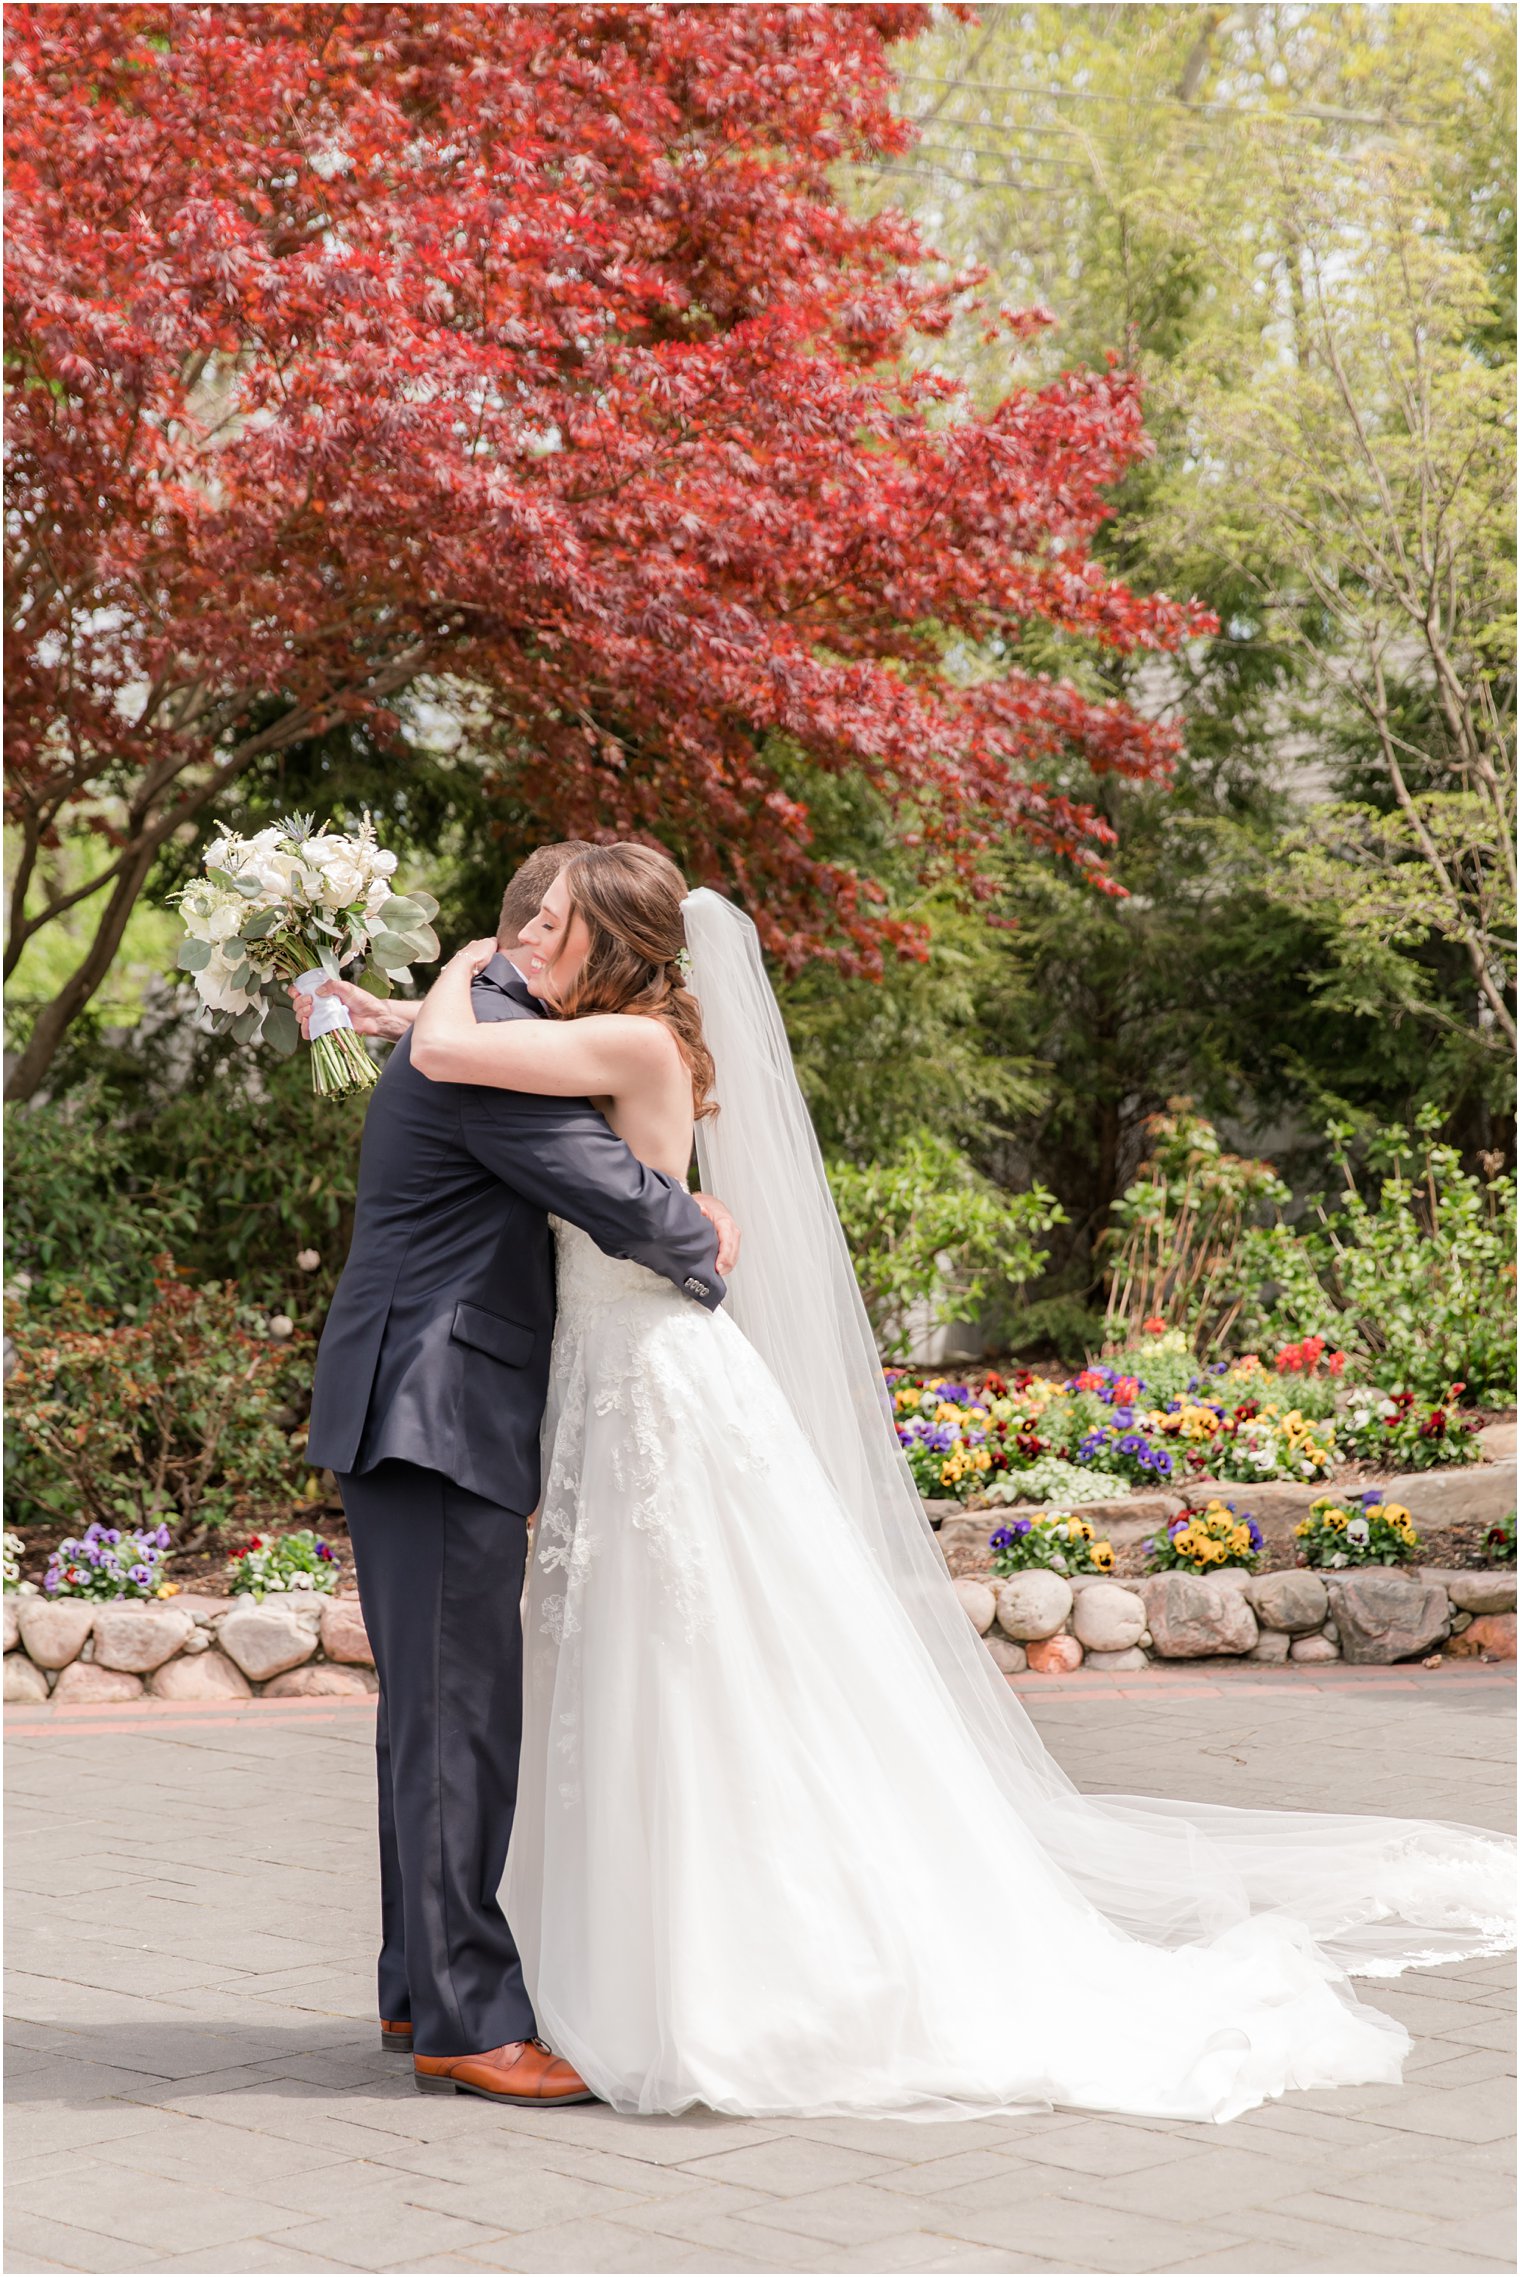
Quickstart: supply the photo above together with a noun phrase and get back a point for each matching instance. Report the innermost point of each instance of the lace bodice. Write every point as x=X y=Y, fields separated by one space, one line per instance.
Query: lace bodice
x=589 y=1280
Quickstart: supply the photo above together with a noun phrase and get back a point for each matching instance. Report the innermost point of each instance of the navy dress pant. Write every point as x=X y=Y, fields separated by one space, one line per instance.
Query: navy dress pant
x=440 y=1573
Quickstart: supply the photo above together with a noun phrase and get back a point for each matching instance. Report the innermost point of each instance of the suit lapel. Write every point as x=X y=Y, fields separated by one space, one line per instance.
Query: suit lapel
x=502 y=978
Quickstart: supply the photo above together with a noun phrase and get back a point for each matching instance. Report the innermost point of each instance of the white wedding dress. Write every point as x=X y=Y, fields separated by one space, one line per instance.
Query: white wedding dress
x=785 y=1840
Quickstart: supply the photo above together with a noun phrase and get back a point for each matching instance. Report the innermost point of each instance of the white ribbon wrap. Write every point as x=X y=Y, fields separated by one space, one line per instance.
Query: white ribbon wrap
x=327 y=1012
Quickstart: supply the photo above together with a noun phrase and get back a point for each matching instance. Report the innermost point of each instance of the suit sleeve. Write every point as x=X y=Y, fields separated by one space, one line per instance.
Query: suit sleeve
x=563 y=1156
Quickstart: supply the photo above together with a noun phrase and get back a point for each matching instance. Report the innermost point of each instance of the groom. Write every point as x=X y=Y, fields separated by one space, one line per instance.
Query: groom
x=428 y=1400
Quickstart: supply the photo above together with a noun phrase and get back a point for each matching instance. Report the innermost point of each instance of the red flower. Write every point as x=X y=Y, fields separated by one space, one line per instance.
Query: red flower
x=1155 y=1326
x=1336 y=1363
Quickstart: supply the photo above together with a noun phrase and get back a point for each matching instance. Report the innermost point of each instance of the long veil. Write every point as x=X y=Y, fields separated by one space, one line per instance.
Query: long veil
x=1376 y=1895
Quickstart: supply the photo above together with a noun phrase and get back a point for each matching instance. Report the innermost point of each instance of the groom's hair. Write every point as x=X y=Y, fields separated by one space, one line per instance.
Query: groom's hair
x=527 y=887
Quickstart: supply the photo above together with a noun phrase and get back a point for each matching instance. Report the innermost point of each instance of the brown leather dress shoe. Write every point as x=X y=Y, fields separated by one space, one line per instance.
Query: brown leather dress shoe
x=395 y=2038
x=524 y=2071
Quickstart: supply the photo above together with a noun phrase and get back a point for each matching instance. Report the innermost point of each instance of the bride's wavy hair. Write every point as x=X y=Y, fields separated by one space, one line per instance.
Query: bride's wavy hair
x=630 y=898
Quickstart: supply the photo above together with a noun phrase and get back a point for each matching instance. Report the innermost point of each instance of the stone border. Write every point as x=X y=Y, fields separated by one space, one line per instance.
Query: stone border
x=291 y=1646
x=1369 y=1616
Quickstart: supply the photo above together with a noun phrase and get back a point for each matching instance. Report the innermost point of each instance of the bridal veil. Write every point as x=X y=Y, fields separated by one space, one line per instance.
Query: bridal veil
x=1375 y=1895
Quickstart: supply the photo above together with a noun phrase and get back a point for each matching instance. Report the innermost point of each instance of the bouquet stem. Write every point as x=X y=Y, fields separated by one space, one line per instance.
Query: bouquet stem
x=340 y=1063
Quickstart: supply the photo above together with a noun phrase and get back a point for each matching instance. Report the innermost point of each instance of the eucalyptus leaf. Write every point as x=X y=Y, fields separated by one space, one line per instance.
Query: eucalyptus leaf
x=425 y=903
x=377 y=980
x=249 y=888
x=194 y=956
x=259 y=928
x=388 y=949
x=282 y=1029
x=402 y=972
x=422 y=943
x=400 y=912
x=328 y=961
x=246 y=1026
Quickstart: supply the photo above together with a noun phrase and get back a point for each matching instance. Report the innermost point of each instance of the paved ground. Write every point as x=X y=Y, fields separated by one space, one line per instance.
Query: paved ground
x=194 y=2082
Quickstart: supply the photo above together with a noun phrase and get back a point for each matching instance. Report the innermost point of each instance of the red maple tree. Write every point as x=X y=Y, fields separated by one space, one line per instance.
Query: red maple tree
x=529 y=352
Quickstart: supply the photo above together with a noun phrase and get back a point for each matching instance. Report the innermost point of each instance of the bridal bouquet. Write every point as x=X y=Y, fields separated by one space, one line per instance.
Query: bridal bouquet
x=294 y=903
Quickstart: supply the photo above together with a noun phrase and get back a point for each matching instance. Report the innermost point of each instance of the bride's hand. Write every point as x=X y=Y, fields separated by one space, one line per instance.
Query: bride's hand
x=473 y=958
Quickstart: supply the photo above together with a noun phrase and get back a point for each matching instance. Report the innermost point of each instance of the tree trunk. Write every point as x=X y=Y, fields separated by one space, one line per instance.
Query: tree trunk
x=52 y=1022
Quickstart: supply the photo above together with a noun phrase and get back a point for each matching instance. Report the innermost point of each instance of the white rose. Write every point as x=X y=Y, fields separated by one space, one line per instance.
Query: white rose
x=212 y=985
x=221 y=923
x=342 y=883
x=382 y=865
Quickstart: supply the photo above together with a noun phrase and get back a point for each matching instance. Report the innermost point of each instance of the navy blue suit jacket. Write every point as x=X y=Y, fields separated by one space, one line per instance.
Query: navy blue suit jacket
x=436 y=1349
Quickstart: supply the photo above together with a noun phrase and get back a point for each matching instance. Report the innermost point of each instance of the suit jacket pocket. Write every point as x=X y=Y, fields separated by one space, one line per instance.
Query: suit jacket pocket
x=509 y=1341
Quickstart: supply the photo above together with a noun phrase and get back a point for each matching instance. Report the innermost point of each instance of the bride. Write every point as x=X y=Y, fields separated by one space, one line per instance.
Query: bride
x=786 y=1841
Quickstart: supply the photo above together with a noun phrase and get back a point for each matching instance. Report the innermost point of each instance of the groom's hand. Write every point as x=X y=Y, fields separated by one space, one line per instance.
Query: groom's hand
x=371 y=1015
x=729 y=1236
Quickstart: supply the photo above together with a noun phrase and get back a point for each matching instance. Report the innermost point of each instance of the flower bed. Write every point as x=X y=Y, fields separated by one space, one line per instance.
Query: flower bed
x=1157 y=1418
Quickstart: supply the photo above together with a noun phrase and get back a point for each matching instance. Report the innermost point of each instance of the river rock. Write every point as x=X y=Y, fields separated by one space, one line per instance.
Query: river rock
x=977 y=1603
x=1382 y=1615
x=1314 y=1650
x=1494 y=1634
x=1270 y=1648
x=266 y=1639
x=1033 y=1605
x=1295 y=1601
x=54 y=1632
x=1475 y=1592
x=87 y=1680
x=135 y=1638
x=322 y=1680
x=11 y=1602
x=1191 y=1618
x=24 y=1683
x=1054 y=1656
x=1010 y=1657
x=1107 y=1619
x=344 y=1636
x=197 y=1641
x=206 y=1675
x=1117 y=1663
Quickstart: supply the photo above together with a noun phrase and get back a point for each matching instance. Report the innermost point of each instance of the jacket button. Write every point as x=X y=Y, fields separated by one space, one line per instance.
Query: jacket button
x=697 y=1288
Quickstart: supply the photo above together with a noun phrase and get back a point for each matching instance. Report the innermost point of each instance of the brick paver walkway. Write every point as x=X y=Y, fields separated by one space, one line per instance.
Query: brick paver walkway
x=195 y=2084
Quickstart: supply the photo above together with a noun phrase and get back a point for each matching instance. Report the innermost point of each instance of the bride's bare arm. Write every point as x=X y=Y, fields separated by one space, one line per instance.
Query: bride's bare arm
x=603 y=1056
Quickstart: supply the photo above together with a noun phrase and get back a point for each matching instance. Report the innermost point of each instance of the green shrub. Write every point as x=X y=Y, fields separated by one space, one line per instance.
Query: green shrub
x=1416 y=1280
x=182 y=1142
x=926 y=1230
x=180 y=1416
x=79 y=1212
